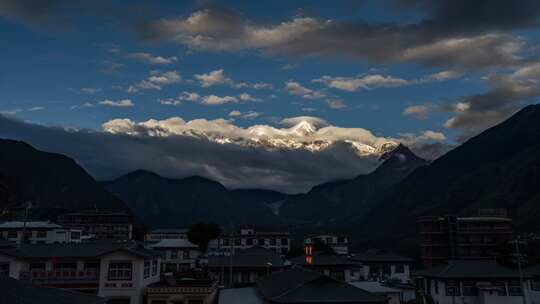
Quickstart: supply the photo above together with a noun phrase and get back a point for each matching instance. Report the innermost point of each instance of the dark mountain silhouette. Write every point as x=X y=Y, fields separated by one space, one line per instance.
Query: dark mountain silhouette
x=167 y=202
x=500 y=168
x=328 y=203
x=49 y=181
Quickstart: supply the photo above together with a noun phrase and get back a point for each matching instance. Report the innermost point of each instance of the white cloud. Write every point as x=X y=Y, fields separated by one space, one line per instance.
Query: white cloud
x=212 y=78
x=185 y=96
x=247 y=97
x=336 y=104
x=418 y=111
x=218 y=77
x=151 y=59
x=217 y=100
x=82 y=106
x=156 y=81
x=295 y=88
x=362 y=82
x=118 y=103
x=36 y=109
x=235 y=113
x=90 y=90
x=442 y=76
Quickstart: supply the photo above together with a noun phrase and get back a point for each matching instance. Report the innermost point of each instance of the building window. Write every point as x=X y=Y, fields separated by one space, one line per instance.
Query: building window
x=500 y=288
x=400 y=268
x=146 y=269
x=341 y=240
x=94 y=266
x=37 y=266
x=41 y=234
x=535 y=285
x=120 y=271
x=225 y=242
x=249 y=242
x=514 y=288
x=75 y=235
x=65 y=266
x=261 y=242
x=452 y=288
x=469 y=288
x=174 y=254
x=4 y=269
x=237 y=242
x=284 y=241
x=272 y=242
x=436 y=287
x=338 y=275
x=185 y=254
x=12 y=234
x=154 y=267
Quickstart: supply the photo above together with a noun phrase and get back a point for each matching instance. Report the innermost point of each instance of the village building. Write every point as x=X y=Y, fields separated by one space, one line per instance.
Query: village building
x=338 y=242
x=335 y=266
x=178 y=255
x=247 y=266
x=472 y=281
x=102 y=225
x=188 y=291
x=444 y=238
x=18 y=292
x=34 y=232
x=119 y=271
x=299 y=286
x=157 y=235
x=382 y=265
x=247 y=237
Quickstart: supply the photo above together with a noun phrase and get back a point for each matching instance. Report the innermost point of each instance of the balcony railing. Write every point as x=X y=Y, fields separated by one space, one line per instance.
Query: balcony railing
x=60 y=276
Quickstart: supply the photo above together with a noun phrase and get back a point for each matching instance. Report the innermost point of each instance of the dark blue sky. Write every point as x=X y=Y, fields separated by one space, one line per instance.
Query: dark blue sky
x=426 y=73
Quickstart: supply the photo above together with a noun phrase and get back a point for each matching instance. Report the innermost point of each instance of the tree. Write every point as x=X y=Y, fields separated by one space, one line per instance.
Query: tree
x=202 y=233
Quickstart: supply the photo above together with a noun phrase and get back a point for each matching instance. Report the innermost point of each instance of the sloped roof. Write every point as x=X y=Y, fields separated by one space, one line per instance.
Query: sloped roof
x=374 y=287
x=93 y=249
x=301 y=286
x=170 y=230
x=323 y=259
x=252 y=257
x=376 y=255
x=245 y=295
x=469 y=269
x=17 y=292
x=29 y=225
x=174 y=243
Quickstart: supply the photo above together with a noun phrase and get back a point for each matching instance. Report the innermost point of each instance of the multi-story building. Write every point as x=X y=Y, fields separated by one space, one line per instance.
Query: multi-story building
x=248 y=237
x=190 y=291
x=247 y=266
x=178 y=255
x=381 y=265
x=39 y=233
x=339 y=243
x=472 y=281
x=444 y=238
x=166 y=234
x=335 y=266
x=117 y=270
x=299 y=286
x=102 y=225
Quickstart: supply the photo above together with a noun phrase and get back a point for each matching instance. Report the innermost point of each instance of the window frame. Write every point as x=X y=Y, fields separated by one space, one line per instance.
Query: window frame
x=117 y=277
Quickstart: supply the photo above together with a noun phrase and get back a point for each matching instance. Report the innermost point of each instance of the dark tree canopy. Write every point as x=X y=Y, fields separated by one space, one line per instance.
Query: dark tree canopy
x=202 y=233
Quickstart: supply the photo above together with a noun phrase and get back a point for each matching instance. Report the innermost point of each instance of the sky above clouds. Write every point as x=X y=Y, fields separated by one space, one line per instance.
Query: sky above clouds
x=427 y=73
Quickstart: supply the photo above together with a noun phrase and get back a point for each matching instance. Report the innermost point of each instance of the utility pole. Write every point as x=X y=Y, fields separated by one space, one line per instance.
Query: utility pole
x=520 y=271
x=26 y=207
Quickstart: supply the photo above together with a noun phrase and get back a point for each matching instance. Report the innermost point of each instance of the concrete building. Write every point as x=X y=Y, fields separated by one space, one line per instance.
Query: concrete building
x=299 y=286
x=444 y=238
x=381 y=265
x=247 y=237
x=119 y=271
x=335 y=266
x=157 y=235
x=339 y=243
x=178 y=255
x=39 y=233
x=247 y=266
x=102 y=225
x=189 y=291
x=464 y=282
x=17 y=292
